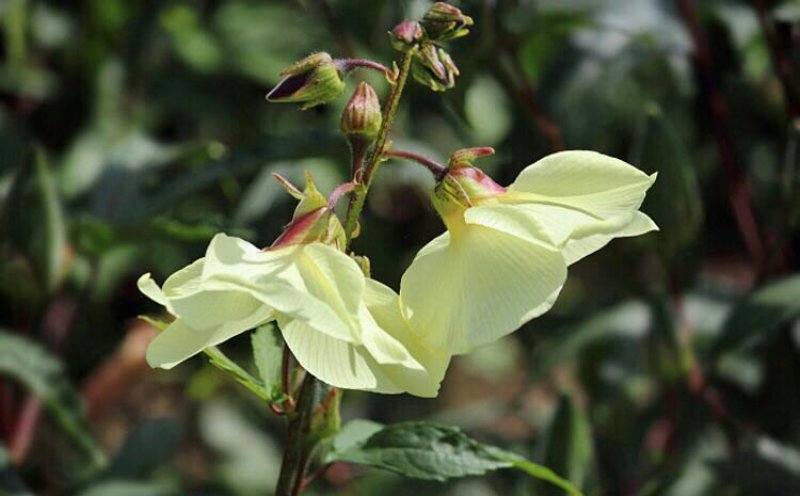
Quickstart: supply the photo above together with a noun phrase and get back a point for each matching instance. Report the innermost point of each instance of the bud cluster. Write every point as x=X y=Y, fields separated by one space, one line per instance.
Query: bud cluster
x=433 y=66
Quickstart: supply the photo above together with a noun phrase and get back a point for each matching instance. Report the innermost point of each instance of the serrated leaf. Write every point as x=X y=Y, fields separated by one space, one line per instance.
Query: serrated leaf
x=760 y=314
x=40 y=372
x=428 y=451
x=423 y=451
x=268 y=354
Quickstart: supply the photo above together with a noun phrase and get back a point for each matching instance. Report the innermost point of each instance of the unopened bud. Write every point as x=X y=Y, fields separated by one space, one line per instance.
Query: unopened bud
x=313 y=219
x=434 y=68
x=312 y=81
x=362 y=117
x=405 y=35
x=445 y=22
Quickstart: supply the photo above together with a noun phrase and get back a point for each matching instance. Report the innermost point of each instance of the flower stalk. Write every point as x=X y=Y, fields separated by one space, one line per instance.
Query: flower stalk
x=359 y=194
x=299 y=442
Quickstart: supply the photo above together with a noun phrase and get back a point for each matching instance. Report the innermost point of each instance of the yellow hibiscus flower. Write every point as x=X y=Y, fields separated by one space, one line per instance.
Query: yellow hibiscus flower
x=342 y=327
x=504 y=257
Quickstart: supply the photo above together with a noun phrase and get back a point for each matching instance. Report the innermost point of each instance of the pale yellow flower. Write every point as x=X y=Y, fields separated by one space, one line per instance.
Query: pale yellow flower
x=342 y=327
x=504 y=257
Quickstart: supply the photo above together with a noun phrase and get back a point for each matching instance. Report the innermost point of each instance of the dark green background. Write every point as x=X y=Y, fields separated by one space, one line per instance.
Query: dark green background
x=131 y=132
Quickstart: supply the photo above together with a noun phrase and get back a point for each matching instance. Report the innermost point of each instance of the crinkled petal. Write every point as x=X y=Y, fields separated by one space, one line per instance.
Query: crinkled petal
x=179 y=342
x=314 y=283
x=384 y=305
x=577 y=193
x=576 y=249
x=478 y=287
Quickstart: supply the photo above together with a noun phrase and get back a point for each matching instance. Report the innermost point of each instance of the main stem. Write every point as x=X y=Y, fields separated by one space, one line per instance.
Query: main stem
x=299 y=444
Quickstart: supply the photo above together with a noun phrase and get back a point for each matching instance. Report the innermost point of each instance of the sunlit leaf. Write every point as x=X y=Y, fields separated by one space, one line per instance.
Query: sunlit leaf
x=429 y=451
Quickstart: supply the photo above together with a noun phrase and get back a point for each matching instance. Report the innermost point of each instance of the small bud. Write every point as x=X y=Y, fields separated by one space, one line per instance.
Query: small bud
x=312 y=81
x=362 y=117
x=313 y=220
x=405 y=35
x=445 y=22
x=434 y=68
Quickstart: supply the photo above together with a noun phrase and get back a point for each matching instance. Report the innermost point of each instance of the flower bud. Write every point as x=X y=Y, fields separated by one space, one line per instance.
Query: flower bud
x=434 y=68
x=405 y=35
x=313 y=219
x=445 y=22
x=312 y=81
x=362 y=117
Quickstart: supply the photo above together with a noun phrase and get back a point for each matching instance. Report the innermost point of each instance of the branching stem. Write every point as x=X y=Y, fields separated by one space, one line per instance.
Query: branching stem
x=359 y=194
x=313 y=392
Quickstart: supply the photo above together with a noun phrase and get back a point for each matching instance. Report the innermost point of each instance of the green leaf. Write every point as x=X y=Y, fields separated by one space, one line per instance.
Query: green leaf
x=54 y=237
x=759 y=315
x=268 y=355
x=35 y=221
x=428 y=451
x=352 y=435
x=423 y=451
x=28 y=363
x=568 y=444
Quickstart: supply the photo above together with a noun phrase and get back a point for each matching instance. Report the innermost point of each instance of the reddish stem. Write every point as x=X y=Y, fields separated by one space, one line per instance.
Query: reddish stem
x=347 y=65
x=739 y=192
x=25 y=429
x=437 y=169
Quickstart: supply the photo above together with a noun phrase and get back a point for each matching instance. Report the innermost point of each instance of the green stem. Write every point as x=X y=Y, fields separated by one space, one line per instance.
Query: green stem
x=358 y=195
x=299 y=442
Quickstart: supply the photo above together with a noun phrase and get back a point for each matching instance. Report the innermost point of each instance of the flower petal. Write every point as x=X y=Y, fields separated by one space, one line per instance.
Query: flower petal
x=384 y=305
x=478 y=287
x=578 y=193
x=336 y=362
x=576 y=249
x=149 y=288
x=178 y=342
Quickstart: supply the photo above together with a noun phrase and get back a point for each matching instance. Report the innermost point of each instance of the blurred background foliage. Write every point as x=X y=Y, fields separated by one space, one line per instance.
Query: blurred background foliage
x=131 y=132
